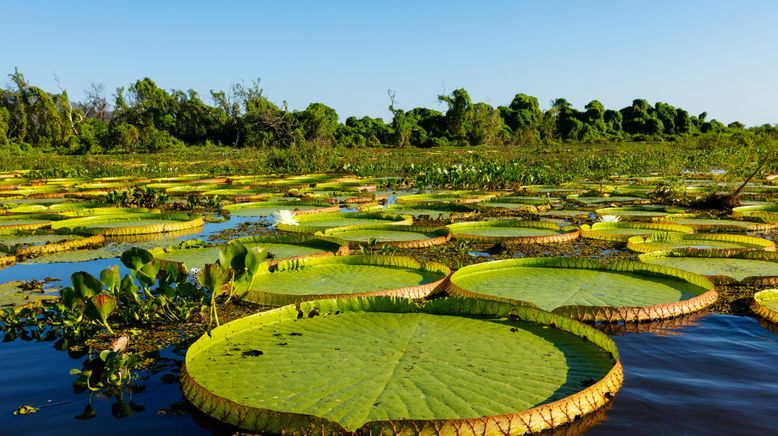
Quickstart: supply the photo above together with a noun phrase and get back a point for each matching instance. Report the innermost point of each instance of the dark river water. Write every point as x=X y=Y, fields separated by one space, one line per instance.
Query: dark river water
x=708 y=374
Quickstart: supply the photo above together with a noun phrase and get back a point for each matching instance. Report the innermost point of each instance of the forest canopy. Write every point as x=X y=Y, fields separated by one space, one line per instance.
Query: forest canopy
x=144 y=118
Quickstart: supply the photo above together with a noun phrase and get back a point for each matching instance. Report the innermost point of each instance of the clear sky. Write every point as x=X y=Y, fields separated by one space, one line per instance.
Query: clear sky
x=702 y=55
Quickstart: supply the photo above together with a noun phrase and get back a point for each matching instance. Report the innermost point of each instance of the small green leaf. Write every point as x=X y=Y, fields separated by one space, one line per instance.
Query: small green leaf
x=85 y=284
x=111 y=278
x=135 y=258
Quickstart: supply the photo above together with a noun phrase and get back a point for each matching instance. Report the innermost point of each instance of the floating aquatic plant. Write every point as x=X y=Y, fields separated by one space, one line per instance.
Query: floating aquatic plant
x=609 y=219
x=285 y=216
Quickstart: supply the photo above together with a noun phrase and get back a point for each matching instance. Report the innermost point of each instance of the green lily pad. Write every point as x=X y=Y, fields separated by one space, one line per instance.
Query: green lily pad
x=323 y=221
x=128 y=224
x=445 y=197
x=517 y=202
x=639 y=212
x=613 y=199
x=397 y=236
x=766 y=304
x=621 y=232
x=10 y=244
x=11 y=294
x=514 y=231
x=327 y=277
x=389 y=366
x=708 y=224
x=766 y=212
x=11 y=224
x=699 y=241
x=756 y=267
x=267 y=208
x=585 y=289
x=434 y=211
x=565 y=213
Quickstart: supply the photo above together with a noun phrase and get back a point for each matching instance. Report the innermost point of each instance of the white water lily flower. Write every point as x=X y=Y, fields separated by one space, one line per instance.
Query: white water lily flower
x=285 y=216
x=609 y=219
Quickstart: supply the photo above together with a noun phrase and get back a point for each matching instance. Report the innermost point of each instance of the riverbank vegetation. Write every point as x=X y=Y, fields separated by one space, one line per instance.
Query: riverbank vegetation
x=144 y=118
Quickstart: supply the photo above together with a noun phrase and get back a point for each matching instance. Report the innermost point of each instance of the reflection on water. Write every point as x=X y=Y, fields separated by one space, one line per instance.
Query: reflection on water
x=661 y=327
x=716 y=375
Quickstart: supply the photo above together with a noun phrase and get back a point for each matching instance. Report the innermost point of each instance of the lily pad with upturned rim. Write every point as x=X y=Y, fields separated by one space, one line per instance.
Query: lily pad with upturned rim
x=513 y=231
x=698 y=241
x=267 y=208
x=12 y=224
x=709 y=224
x=395 y=236
x=128 y=224
x=434 y=211
x=292 y=281
x=353 y=220
x=766 y=212
x=445 y=197
x=584 y=289
x=639 y=212
x=621 y=232
x=766 y=304
x=385 y=365
x=752 y=267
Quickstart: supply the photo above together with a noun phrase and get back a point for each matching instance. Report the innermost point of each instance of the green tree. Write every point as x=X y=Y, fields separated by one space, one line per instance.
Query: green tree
x=319 y=123
x=459 y=116
x=523 y=117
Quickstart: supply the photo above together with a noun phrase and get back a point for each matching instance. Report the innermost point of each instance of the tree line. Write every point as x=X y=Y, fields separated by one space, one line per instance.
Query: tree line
x=146 y=118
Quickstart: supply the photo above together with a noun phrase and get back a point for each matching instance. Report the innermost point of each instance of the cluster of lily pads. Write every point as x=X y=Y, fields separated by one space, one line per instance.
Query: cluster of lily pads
x=396 y=343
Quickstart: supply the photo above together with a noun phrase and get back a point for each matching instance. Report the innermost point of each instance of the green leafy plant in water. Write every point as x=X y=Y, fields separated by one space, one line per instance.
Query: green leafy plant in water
x=148 y=294
x=236 y=265
x=109 y=369
x=137 y=197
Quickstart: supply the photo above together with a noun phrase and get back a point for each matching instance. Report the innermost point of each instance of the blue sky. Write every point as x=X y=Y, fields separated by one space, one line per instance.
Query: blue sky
x=714 y=56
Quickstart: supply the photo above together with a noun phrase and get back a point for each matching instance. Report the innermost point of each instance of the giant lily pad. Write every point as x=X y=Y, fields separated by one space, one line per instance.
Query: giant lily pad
x=766 y=304
x=518 y=202
x=621 y=232
x=128 y=224
x=40 y=244
x=11 y=224
x=446 y=197
x=639 y=212
x=323 y=221
x=390 y=366
x=395 y=236
x=48 y=207
x=753 y=267
x=585 y=289
x=767 y=212
x=196 y=254
x=699 y=241
x=709 y=224
x=326 y=277
x=588 y=200
x=267 y=208
x=513 y=231
x=433 y=211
